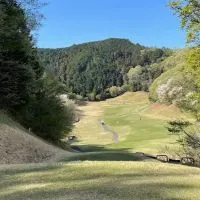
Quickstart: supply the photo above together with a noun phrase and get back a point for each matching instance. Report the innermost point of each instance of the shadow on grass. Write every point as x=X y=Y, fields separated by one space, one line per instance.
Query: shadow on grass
x=77 y=182
x=108 y=187
x=100 y=153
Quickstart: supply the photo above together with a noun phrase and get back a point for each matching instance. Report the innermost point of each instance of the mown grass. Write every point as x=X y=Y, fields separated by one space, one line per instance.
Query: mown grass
x=113 y=171
x=91 y=180
x=141 y=125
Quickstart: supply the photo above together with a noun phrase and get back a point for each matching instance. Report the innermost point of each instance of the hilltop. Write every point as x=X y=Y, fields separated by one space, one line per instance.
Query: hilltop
x=91 y=69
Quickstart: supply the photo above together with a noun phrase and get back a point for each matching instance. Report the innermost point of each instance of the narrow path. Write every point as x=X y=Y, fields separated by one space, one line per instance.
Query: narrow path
x=115 y=136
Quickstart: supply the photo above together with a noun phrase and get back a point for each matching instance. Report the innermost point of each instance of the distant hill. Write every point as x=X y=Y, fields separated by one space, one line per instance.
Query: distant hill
x=92 y=68
x=18 y=146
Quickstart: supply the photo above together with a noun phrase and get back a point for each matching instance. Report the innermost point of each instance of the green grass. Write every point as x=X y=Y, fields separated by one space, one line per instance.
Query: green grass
x=141 y=126
x=109 y=171
x=91 y=180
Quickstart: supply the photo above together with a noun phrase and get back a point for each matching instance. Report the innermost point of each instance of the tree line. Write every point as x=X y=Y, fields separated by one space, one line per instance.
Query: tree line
x=27 y=92
x=90 y=70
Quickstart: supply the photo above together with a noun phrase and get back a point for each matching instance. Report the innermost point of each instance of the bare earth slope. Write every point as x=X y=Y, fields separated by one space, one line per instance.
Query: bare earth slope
x=18 y=146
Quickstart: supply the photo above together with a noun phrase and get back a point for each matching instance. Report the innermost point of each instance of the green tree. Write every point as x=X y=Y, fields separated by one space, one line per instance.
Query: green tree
x=193 y=69
x=189 y=13
x=46 y=114
x=96 y=66
x=19 y=68
x=25 y=91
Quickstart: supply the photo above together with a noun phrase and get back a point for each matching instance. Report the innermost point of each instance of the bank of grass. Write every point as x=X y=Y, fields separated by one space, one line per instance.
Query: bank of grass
x=17 y=145
x=111 y=171
x=91 y=180
x=141 y=125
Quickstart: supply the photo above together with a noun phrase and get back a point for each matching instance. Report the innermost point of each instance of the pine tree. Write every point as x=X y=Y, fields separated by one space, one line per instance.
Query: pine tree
x=19 y=68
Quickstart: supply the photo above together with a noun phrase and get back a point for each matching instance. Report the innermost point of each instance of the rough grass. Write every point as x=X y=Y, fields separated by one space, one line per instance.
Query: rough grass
x=140 y=125
x=100 y=181
x=19 y=146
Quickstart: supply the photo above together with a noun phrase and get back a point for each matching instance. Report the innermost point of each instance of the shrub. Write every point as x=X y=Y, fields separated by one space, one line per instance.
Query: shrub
x=79 y=97
x=92 y=96
x=71 y=96
x=99 y=97
x=47 y=117
x=126 y=88
x=114 y=91
x=188 y=137
x=47 y=114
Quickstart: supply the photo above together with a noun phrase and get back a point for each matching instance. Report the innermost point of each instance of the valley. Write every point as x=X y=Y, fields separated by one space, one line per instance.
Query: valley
x=99 y=100
x=141 y=125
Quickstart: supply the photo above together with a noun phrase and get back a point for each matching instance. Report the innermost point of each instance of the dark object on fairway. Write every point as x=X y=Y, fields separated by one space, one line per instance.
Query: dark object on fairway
x=77 y=120
x=71 y=137
x=162 y=158
x=187 y=161
x=102 y=122
x=140 y=153
x=173 y=161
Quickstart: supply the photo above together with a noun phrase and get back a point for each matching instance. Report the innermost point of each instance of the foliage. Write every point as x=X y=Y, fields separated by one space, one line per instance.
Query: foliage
x=189 y=13
x=189 y=138
x=32 y=11
x=114 y=91
x=193 y=70
x=29 y=94
x=137 y=78
x=46 y=114
x=193 y=64
x=174 y=85
x=19 y=68
x=90 y=69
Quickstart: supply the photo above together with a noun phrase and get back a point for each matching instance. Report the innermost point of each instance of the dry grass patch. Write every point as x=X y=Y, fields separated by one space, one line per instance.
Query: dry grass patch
x=19 y=146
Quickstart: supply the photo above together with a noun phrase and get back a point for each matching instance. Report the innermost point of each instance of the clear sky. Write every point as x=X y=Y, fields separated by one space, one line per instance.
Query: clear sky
x=148 y=22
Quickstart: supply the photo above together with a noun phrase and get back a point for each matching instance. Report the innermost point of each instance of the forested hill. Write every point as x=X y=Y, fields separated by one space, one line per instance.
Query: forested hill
x=90 y=69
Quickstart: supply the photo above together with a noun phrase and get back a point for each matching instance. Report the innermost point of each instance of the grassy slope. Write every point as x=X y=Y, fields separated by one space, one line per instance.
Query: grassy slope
x=18 y=146
x=113 y=180
x=101 y=181
x=123 y=115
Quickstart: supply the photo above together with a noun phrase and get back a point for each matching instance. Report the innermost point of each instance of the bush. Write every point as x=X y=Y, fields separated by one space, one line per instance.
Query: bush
x=99 y=97
x=126 y=88
x=188 y=138
x=46 y=113
x=114 y=91
x=79 y=97
x=71 y=96
x=86 y=99
x=47 y=117
x=92 y=96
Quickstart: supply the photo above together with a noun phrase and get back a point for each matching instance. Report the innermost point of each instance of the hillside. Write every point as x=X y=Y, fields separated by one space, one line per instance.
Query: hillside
x=175 y=85
x=112 y=171
x=17 y=146
x=90 y=69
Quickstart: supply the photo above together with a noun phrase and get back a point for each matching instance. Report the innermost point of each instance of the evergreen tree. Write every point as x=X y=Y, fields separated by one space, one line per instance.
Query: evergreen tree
x=19 y=68
x=32 y=98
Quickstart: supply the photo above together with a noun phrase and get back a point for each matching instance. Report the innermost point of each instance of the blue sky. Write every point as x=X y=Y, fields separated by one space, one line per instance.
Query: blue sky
x=148 y=22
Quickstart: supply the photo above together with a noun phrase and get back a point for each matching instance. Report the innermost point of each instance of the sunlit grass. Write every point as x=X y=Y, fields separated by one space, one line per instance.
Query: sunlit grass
x=140 y=124
x=100 y=181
